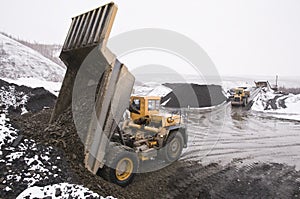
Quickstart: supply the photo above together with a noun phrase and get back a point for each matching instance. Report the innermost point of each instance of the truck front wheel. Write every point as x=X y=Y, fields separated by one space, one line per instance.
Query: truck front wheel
x=121 y=166
x=245 y=101
x=173 y=147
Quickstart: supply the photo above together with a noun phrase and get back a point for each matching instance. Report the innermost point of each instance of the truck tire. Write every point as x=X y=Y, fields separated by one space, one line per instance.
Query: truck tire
x=173 y=147
x=121 y=165
x=245 y=102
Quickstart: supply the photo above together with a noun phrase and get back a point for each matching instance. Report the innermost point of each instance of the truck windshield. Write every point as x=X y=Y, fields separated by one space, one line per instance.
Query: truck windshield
x=153 y=105
x=238 y=92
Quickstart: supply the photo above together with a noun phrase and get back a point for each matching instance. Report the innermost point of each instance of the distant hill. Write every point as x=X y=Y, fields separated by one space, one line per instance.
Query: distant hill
x=20 y=61
x=50 y=51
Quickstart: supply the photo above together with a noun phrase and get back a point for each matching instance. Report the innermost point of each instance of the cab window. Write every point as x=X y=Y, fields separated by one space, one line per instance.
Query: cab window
x=153 y=105
x=238 y=92
x=136 y=104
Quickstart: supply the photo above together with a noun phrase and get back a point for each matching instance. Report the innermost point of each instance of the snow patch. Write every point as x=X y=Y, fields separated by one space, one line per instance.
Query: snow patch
x=10 y=97
x=20 y=61
x=27 y=163
x=24 y=150
x=62 y=190
x=53 y=87
x=7 y=133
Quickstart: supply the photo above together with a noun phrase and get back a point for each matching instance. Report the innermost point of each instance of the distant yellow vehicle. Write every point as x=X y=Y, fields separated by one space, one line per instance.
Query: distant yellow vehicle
x=240 y=97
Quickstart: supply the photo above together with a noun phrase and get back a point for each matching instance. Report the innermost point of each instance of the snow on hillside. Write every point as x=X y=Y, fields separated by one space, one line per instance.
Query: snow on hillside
x=53 y=87
x=19 y=61
x=285 y=106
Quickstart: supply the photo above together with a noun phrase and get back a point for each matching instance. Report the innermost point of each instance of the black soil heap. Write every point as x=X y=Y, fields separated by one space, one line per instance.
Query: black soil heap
x=193 y=95
x=37 y=98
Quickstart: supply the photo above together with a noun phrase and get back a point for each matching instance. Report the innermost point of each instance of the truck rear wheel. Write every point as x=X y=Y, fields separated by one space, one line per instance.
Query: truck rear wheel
x=245 y=101
x=121 y=166
x=173 y=147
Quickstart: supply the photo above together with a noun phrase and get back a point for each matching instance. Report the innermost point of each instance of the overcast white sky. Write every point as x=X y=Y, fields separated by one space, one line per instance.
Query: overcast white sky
x=237 y=34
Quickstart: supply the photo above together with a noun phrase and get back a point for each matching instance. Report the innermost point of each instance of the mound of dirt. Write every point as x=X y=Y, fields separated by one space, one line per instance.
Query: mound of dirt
x=193 y=95
x=63 y=136
x=21 y=98
x=25 y=163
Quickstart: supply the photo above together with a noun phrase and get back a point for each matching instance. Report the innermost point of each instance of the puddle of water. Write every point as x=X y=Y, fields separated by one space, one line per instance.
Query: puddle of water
x=228 y=133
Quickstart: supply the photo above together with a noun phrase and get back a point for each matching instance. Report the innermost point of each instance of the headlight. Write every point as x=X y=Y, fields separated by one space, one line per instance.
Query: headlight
x=170 y=120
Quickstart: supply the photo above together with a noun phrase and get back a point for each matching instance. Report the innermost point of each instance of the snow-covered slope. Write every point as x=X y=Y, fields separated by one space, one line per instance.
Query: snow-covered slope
x=53 y=87
x=19 y=61
x=285 y=106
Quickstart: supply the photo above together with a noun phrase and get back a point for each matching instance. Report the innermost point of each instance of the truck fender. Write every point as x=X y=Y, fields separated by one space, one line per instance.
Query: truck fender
x=181 y=130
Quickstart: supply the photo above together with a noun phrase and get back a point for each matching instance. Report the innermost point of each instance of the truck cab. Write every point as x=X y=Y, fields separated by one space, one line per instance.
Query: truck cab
x=145 y=110
x=144 y=106
x=241 y=95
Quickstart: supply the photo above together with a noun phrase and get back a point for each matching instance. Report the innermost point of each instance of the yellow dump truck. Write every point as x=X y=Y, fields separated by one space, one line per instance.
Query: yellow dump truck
x=240 y=97
x=98 y=88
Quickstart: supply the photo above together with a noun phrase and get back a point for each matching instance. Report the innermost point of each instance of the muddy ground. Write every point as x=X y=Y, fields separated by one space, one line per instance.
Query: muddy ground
x=240 y=177
x=182 y=179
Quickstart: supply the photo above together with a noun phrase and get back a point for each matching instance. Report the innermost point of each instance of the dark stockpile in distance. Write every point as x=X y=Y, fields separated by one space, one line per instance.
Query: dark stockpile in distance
x=193 y=95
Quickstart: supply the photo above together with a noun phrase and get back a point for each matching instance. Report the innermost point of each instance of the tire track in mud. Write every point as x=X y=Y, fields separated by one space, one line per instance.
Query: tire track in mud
x=193 y=176
x=251 y=139
x=255 y=180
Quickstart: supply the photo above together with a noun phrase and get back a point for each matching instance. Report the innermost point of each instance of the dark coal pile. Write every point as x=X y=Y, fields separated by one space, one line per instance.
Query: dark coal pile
x=22 y=98
x=25 y=163
x=62 y=135
x=193 y=95
x=39 y=98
